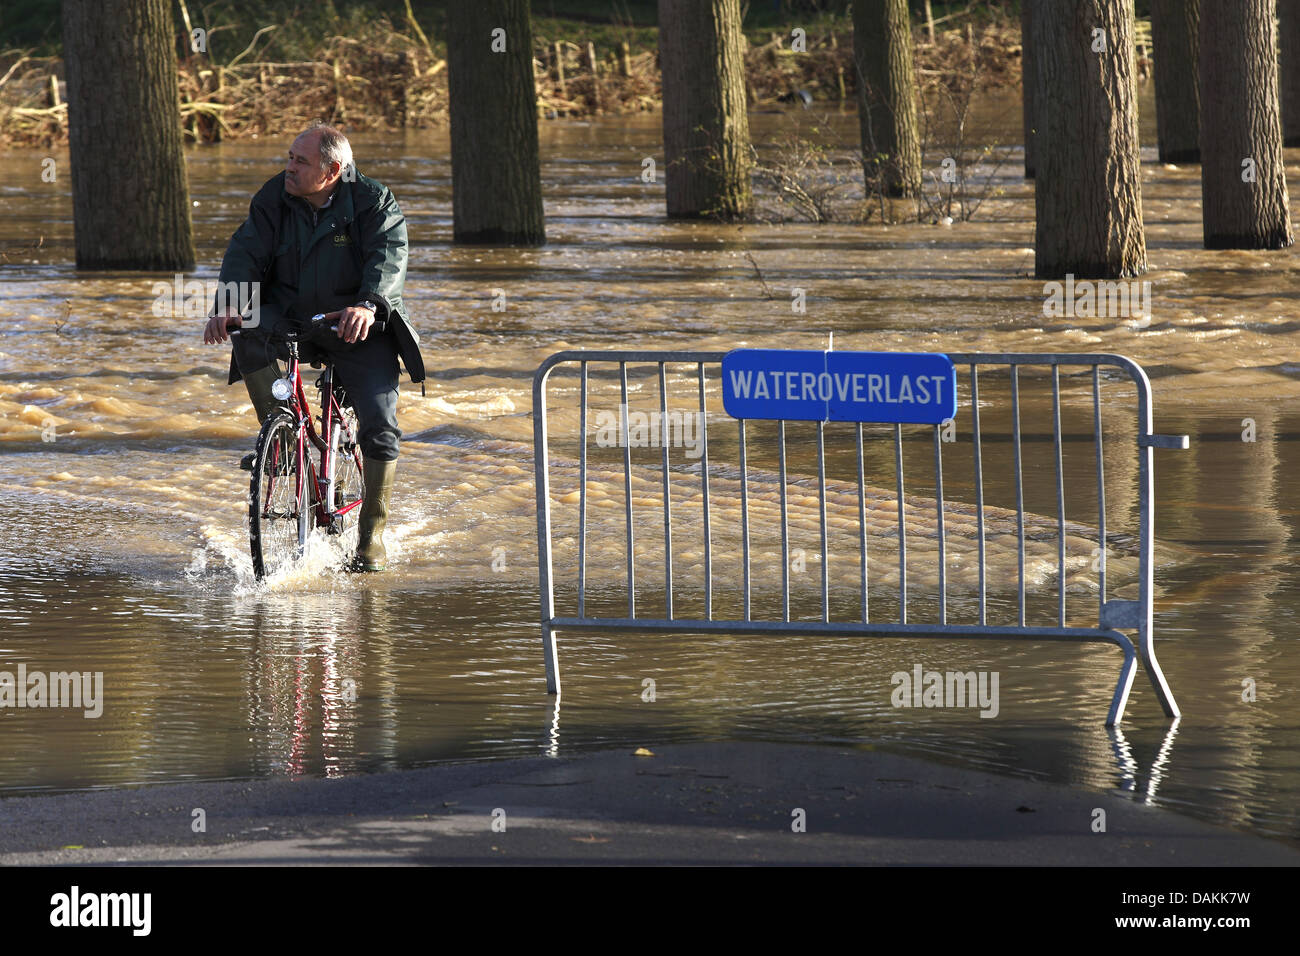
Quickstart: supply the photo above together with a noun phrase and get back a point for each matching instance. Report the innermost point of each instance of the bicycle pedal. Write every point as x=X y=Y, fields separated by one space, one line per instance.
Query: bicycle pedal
x=246 y=463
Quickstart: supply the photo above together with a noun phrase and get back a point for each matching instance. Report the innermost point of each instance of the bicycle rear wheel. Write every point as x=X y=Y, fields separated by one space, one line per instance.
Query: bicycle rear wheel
x=279 y=500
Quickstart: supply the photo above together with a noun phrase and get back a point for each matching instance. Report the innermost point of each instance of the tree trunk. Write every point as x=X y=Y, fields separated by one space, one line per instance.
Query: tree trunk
x=1088 y=195
x=1243 y=182
x=496 y=175
x=882 y=52
x=1288 y=23
x=1029 y=79
x=130 y=197
x=706 y=126
x=1175 y=33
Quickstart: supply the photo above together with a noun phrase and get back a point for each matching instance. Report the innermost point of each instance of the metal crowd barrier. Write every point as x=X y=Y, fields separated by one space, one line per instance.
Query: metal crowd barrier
x=1112 y=615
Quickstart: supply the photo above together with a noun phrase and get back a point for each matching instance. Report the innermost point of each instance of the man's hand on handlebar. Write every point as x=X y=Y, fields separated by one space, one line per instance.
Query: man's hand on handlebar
x=353 y=323
x=219 y=327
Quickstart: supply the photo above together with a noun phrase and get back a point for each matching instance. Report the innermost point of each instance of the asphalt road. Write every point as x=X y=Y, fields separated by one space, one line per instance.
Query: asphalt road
x=728 y=803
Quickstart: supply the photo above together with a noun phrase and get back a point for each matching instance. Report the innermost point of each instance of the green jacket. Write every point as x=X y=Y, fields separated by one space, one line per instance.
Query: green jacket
x=355 y=252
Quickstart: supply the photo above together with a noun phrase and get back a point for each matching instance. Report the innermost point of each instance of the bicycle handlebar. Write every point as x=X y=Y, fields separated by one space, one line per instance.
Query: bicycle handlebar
x=314 y=324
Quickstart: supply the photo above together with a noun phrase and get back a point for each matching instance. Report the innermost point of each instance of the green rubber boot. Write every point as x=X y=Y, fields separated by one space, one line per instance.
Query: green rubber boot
x=259 y=385
x=378 y=479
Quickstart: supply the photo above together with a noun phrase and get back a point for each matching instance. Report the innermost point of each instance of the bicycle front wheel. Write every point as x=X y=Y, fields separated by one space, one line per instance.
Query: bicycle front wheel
x=279 y=501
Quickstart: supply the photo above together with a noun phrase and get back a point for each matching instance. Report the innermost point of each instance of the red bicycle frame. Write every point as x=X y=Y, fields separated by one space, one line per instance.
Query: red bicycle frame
x=331 y=414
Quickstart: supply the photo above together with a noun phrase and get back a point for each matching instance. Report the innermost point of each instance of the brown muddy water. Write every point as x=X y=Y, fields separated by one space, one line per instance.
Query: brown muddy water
x=124 y=512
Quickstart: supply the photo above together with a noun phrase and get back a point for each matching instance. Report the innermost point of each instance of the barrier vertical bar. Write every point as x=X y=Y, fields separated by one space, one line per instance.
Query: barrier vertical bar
x=979 y=483
x=1101 y=488
x=902 y=526
x=582 y=498
x=1020 y=494
x=1060 y=494
x=668 y=517
x=704 y=480
x=744 y=515
x=862 y=521
x=943 y=556
x=1147 y=534
x=821 y=499
x=785 y=530
x=545 y=573
x=627 y=494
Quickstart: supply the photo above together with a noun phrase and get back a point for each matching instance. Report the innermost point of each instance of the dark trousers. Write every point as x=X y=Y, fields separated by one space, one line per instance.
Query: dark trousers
x=366 y=370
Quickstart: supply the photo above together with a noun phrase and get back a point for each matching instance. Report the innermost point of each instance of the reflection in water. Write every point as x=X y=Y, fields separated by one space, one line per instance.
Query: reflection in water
x=124 y=510
x=322 y=686
x=1130 y=770
x=553 y=734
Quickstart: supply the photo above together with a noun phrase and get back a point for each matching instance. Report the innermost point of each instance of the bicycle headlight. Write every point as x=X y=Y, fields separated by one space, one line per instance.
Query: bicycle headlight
x=281 y=388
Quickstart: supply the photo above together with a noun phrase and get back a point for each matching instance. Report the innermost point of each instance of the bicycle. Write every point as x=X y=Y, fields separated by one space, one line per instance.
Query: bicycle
x=288 y=492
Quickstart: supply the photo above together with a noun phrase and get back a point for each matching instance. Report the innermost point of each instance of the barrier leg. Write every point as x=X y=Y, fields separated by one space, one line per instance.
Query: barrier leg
x=552 y=661
x=1158 y=682
x=1128 y=670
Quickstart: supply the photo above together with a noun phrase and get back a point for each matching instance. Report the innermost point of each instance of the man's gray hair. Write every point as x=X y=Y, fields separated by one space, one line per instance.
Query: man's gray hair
x=334 y=147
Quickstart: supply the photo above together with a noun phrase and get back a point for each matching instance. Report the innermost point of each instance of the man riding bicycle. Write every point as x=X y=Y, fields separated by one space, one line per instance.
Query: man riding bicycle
x=322 y=238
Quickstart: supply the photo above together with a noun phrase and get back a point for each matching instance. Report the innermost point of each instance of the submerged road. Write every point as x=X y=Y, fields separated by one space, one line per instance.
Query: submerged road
x=704 y=803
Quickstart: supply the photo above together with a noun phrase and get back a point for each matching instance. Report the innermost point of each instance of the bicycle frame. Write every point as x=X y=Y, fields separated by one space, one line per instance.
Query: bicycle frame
x=322 y=480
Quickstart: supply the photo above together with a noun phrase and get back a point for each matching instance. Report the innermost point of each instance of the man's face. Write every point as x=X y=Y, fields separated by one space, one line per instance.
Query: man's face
x=302 y=173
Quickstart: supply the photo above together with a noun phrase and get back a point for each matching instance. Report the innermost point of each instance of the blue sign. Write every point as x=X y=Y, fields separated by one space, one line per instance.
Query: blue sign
x=803 y=385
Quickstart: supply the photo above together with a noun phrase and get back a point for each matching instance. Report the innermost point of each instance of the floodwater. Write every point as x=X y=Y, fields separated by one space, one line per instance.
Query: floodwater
x=124 y=512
